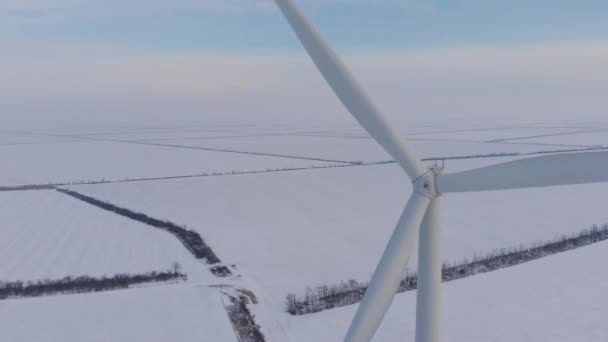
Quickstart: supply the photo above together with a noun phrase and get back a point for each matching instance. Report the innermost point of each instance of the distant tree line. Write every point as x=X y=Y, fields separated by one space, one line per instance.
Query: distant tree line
x=189 y=238
x=85 y=283
x=336 y=164
x=351 y=292
x=53 y=185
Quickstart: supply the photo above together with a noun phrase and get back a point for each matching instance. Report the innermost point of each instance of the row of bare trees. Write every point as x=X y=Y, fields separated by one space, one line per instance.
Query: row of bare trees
x=351 y=292
x=189 y=238
x=85 y=283
x=243 y=320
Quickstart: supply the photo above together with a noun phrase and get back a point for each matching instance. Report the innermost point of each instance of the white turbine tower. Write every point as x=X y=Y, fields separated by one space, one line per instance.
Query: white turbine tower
x=422 y=210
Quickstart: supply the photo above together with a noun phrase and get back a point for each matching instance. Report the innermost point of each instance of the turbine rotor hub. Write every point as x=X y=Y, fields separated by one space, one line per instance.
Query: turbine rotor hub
x=426 y=185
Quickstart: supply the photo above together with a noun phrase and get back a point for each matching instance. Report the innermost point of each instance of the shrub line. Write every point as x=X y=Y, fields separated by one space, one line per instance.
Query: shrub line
x=189 y=238
x=351 y=292
x=243 y=321
x=85 y=283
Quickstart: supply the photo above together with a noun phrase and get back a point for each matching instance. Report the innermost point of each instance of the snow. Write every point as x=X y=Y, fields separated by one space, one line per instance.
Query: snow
x=287 y=231
x=284 y=231
x=97 y=160
x=599 y=138
x=45 y=234
x=182 y=313
x=485 y=134
x=176 y=134
x=11 y=139
x=348 y=149
x=560 y=298
x=61 y=157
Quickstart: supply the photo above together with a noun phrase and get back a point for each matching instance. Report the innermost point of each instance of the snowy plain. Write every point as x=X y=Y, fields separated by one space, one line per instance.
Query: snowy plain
x=561 y=298
x=169 y=313
x=284 y=231
x=46 y=234
x=275 y=226
x=87 y=160
x=589 y=138
x=348 y=148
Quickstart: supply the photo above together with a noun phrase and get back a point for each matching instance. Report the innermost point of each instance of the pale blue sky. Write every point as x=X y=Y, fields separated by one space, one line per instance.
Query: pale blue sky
x=255 y=24
x=429 y=61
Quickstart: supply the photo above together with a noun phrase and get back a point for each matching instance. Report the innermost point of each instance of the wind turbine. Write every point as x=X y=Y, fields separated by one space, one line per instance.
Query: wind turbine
x=421 y=216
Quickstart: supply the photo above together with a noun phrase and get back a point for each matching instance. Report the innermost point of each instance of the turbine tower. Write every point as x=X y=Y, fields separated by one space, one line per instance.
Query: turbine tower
x=420 y=219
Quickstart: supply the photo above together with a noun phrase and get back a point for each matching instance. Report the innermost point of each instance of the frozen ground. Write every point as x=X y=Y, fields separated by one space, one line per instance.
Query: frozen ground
x=560 y=298
x=593 y=138
x=182 y=313
x=37 y=156
x=485 y=134
x=284 y=231
x=275 y=226
x=349 y=148
x=88 y=160
x=45 y=234
x=15 y=139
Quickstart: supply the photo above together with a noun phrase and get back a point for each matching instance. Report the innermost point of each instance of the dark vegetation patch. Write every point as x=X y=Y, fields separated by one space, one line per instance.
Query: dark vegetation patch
x=85 y=283
x=221 y=271
x=351 y=292
x=243 y=321
x=189 y=238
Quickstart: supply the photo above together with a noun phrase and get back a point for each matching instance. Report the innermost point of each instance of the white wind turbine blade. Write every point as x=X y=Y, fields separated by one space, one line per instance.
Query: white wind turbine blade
x=550 y=170
x=350 y=92
x=428 y=295
x=389 y=272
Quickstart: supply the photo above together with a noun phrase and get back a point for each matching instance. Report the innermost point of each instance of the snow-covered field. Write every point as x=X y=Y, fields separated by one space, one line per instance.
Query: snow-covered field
x=284 y=231
x=275 y=226
x=182 y=313
x=45 y=234
x=88 y=160
x=589 y=138
x=561 y=298
x=15 y=139
x=354 y=149
x=490 y=134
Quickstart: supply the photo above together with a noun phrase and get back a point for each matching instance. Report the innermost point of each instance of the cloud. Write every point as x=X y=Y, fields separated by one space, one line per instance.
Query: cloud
x=522 y=83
